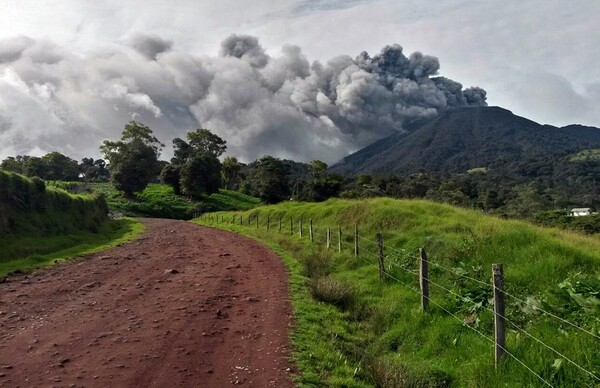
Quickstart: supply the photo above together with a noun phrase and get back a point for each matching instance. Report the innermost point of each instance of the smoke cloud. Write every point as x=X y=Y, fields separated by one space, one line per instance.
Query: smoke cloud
x=286 y=106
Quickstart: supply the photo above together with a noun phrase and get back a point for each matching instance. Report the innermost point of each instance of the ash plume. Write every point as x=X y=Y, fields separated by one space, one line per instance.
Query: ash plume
x=281 y=105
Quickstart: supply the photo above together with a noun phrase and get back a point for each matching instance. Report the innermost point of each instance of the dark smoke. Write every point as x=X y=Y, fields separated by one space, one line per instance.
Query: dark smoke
x=283 y=105
x=150 y=45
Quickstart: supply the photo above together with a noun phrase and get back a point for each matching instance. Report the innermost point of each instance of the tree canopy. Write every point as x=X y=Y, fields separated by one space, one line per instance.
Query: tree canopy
x=133 y=160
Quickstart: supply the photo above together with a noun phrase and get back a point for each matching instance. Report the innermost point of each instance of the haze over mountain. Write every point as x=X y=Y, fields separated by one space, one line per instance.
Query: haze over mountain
x=466 y=138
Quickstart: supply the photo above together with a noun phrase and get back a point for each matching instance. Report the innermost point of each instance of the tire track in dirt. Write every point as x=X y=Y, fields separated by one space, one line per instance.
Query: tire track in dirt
x=184 y=305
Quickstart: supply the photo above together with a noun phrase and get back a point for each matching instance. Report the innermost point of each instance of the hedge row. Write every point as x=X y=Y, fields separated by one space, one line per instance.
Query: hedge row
x=27 y=206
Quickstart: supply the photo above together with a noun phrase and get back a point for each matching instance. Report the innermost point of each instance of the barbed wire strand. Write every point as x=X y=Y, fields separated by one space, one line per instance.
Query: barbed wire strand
x=544 y=344
x=511 y=322
x=549 y=313
x=504 y=292
x=475 y=330
x=438 y=265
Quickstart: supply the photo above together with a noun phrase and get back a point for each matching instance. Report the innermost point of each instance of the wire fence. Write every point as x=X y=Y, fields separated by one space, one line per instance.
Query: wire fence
x=335 y=238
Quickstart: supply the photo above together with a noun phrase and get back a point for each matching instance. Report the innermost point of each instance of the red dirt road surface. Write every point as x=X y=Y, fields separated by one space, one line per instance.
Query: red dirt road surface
x=184 y=305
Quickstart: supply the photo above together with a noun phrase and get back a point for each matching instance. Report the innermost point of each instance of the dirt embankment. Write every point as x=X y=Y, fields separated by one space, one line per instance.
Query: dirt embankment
x=182 y=306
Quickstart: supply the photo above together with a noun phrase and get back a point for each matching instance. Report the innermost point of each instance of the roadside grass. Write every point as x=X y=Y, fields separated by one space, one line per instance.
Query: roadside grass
x=365 y=332
x=24 y=252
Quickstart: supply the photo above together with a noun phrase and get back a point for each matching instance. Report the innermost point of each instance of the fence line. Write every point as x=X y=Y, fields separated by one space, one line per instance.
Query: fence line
x=425 y=297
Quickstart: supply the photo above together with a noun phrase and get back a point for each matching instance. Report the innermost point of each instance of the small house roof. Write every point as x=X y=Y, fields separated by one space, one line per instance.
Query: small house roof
x=581 y=209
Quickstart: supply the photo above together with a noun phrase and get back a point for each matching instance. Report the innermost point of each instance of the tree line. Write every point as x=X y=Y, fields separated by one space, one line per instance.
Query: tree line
x=196 y=170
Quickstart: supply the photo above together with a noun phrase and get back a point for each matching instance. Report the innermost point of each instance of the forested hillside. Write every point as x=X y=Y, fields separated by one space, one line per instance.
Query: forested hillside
x=479 y=137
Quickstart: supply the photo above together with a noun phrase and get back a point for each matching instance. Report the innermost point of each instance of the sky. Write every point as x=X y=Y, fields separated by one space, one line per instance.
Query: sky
x=284 y=77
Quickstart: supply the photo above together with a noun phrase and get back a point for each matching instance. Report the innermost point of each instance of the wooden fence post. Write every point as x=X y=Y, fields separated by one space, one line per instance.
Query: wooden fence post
x=300 y=226
x=328 y=238
x=233 y=221
x=380 y=255
x=268 y=221
x=356 y=240
x=424 y=279
x=310 y=231
x=500 y=333
x=340 y=239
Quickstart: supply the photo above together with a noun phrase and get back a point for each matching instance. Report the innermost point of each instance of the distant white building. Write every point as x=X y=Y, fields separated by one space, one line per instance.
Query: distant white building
x=581 y=211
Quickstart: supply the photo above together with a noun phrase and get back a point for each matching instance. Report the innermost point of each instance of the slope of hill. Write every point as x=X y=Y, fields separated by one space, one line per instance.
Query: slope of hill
x=159 y=200
x=466 y=138
x=40 y=225
x=376 y=334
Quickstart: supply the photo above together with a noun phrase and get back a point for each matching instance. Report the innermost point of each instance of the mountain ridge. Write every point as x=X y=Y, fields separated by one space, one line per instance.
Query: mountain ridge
x=464 y=138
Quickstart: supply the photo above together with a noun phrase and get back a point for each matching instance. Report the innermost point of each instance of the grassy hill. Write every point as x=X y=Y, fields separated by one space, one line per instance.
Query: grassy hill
x=355 y=330
x=40 y=225
x=158 y=200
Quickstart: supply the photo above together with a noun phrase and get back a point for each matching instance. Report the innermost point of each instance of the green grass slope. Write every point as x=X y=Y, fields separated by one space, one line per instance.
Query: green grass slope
x=355 y=330
x=41 y=225
x=28 y=206
x=24 y=252
x=158 y=200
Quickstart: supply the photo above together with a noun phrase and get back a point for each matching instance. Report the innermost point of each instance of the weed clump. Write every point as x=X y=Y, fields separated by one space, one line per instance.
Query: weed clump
x=317 y=265
x=333 y=291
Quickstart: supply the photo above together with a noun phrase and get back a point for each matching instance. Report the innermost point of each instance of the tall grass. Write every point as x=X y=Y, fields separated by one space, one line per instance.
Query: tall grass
x=40 y=225
x=384 y=339
x=27 y=206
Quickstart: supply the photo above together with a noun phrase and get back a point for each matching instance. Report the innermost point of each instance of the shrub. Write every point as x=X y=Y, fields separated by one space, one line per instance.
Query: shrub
x=317 y=265
x=333 y=291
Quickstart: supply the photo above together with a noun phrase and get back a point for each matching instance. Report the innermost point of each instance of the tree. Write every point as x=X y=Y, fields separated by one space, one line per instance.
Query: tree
x=200 y=175
x=317 y=168
x=133 y=160
x=60 y=167
x=204 y=141
x=13 y=164
x=230 y=171
x=170 y=176
x=34 y=166
x=271 y=179
x=94 y=170
x=197 y=163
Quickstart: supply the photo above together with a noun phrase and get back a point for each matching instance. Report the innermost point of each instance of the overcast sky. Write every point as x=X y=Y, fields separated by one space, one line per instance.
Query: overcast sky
x=73 y=72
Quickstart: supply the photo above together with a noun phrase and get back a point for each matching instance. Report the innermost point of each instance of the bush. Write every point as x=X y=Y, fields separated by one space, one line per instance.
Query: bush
x=333 y=291
x=317 y=265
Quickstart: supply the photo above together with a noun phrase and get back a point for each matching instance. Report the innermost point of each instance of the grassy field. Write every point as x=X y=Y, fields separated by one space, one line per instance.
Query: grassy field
x=355 y=330
x=25 y=252
x=158 y=200
x=591 y=154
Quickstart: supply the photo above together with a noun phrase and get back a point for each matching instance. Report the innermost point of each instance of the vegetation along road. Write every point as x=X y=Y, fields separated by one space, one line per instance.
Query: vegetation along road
x=181 y=306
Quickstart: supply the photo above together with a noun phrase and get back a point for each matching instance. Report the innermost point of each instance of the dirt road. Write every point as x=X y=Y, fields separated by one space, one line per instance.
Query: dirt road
x=182 y=306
